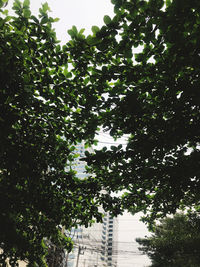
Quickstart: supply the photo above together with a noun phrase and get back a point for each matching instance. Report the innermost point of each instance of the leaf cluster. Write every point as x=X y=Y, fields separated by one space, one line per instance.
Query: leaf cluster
x=174 y=242
x=42 y=115
x=137 y=76
x=145 y=70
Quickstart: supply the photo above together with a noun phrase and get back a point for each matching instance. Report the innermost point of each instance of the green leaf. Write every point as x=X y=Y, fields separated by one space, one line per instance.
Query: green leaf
x=86 y=81
x=67 y=73
x=27 y=13
x=35 y=19
x=102 y=46
x=80 y=35
x=93 y=40
x=44 y=20
x=74 y=29
x=26 y=4
x=120 y=146
x=5 y=12
x=71 y=33
x=95 y=29
x=128 y=53
x=45 y=7
x=114 y=148
x=56 y=19
x=58 y=48
x=168 y=3
x=107 y=20
x=81 y=31
x=17 y=5
x=2 y=3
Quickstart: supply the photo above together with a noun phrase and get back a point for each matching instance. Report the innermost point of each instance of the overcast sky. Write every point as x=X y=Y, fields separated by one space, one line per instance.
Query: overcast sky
x=81 y=13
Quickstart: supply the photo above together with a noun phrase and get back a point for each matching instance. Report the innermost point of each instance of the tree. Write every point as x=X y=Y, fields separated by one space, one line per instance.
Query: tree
x=174 y=242
x=53 y=96
x=39 y=122
x=145 y=69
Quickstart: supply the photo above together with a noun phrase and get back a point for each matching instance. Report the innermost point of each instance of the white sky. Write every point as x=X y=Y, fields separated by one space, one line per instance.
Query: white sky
x=81 y=13
x=85 y=14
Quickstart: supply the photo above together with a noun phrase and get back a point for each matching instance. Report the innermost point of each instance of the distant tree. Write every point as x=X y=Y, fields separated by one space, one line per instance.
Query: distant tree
x=175 y=242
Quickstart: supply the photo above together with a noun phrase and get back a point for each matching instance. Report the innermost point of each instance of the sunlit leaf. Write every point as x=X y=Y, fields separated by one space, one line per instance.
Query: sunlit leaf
x=107 y=19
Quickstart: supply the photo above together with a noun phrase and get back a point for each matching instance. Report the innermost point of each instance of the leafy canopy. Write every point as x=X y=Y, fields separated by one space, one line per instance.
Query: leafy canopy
x=39 y=122
x=145 y=69
x=174 y=242
x=136 y=76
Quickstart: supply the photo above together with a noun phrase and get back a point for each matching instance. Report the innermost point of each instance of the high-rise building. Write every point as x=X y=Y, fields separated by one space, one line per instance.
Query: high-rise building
x=109 y=241
x=93 y=246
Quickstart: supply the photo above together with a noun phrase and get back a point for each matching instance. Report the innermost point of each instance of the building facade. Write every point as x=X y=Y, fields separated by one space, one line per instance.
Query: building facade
x=94 y=246
x=109 y=240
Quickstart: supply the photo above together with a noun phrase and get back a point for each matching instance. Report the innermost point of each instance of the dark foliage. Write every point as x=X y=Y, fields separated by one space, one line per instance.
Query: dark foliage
x=174 y=243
